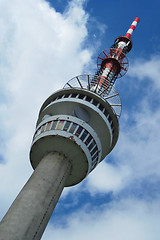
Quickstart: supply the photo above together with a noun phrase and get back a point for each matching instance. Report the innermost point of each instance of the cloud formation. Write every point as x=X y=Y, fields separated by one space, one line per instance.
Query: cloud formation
x=123 y=220
x=41 y=50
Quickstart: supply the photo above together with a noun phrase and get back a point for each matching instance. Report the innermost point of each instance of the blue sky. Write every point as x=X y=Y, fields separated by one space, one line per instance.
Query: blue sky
x=120 y=199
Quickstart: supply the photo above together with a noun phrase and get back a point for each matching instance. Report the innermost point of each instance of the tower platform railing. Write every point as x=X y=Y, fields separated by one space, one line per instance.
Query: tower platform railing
x=87 y=81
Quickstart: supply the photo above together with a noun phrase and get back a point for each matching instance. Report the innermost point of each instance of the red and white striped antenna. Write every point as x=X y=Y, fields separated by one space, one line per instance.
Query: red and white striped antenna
x=132 y=27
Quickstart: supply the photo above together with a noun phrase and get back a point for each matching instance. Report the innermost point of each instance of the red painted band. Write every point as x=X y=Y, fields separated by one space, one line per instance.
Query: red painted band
x=136 y=19
x=128 y=35
x=132 y=27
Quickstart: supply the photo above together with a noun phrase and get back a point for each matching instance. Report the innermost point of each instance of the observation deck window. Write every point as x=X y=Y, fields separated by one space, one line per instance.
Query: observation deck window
x=60 y=125
x=38 y=132
x=95 y=102
x=110 y=119
x=106 y=113
x=88 y=140
x=101 y=107
x=79 y=130
x=81 y=96
x=66 y=95
x=59 y=97
x=73 y=127
x=54 y=125
x=94 y=150
x=48 y=126
x=95 y=156
x=88 y=98
x=84 y=135
x=66 y=126
x=74 y=95
x=93 y=143
x=42 y=128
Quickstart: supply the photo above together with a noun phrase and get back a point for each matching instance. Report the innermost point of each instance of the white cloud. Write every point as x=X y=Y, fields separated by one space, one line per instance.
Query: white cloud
x=149 y=68
x=41 y=50
x=106 y=178
x=123 y=220
x=139 y=142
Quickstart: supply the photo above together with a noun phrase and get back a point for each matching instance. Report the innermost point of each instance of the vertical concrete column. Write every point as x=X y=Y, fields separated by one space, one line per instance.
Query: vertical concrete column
x=30 y=212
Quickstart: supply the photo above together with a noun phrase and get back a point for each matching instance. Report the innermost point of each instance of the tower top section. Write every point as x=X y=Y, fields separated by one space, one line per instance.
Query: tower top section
x=81 y=120
x=132 y=27
x=112 y=63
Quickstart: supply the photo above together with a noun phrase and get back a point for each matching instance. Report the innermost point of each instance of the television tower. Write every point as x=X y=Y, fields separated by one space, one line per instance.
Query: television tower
x=76 y=129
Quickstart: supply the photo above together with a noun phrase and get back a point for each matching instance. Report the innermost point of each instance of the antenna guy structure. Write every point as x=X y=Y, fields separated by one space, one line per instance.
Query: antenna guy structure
x=77 y=128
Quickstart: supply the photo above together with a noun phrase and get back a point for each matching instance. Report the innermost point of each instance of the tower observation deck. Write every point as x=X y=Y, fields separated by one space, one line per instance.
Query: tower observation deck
x=77 y=128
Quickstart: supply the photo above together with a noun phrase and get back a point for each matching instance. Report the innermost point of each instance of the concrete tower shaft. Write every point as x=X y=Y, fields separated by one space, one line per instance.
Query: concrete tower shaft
x=30 y=212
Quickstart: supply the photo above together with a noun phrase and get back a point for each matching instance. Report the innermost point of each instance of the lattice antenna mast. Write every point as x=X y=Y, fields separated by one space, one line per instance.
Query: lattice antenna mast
x=112 y=63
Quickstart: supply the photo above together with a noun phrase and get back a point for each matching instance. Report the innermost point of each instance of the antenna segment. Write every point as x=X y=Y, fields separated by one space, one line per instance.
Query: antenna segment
x=132 y=27
x=113 y=63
